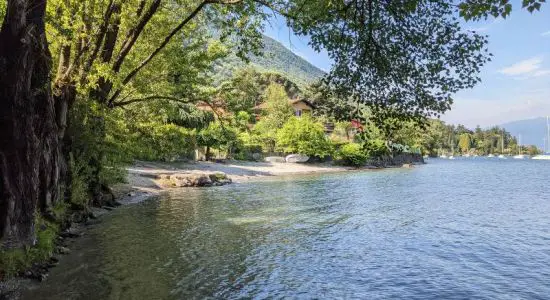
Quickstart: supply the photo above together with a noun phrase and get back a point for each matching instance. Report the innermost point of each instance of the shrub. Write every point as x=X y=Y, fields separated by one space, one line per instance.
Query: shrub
x=353 y=155
x=304 y=136
x=375 y=148
x=78 y=185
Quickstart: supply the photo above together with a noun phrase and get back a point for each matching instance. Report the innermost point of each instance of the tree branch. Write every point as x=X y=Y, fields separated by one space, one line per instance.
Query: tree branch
x=100 y=36
x=167 y=39
x=134 y=33
x=149 y=98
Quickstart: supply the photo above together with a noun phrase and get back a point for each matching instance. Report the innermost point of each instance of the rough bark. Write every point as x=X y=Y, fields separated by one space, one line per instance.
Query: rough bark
x=29 y=144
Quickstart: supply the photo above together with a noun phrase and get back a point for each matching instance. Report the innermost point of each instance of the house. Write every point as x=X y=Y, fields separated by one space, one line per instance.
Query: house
x=300 y=106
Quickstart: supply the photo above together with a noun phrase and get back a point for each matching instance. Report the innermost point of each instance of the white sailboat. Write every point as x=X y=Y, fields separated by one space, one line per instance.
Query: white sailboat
x=442 y=154
x=519 y=156
x=545 y=156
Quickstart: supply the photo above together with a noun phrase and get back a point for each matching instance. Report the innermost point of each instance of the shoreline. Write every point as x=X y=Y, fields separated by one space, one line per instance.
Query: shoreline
x=144 y=182
x=237 y=171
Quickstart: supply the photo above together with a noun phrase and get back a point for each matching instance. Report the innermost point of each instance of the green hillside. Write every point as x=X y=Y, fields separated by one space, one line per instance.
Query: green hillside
x=276 y=58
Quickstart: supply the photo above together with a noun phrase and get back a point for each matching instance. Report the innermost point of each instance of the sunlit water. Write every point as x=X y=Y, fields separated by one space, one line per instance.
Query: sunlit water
x=461 y=229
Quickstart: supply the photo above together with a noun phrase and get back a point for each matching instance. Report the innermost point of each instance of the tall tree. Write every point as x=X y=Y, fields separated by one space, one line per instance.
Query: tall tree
x=29 y=151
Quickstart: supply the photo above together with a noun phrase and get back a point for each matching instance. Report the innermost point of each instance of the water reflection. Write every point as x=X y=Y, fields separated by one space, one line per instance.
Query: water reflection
x=450 y=229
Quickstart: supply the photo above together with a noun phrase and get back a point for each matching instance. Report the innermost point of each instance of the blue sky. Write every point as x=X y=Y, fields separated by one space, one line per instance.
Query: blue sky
x=515 y=85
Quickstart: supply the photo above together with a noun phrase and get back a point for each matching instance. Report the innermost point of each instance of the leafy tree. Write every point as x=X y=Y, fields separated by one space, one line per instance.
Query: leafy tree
x=217 y=136
x=410 y=57
x=247 y=88
x=328 y=104
x=464 y=142
x=277 y=110
x=243 y=91
x=478 y=9
x=304 y=136
x=265 y=135
x=277 y=107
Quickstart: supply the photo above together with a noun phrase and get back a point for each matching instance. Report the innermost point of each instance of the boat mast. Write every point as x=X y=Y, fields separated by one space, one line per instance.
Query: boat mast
x=548 y=132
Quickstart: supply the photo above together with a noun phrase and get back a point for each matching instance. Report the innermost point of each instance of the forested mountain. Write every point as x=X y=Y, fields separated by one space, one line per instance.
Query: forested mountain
x=276 y=58
x=532 y=131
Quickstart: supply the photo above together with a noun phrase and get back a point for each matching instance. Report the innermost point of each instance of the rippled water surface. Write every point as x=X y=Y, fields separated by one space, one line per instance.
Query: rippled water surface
x=448 y=230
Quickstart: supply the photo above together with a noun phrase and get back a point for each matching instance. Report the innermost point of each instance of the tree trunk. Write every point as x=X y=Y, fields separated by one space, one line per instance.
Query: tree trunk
x=207 y=155
x=29 y=143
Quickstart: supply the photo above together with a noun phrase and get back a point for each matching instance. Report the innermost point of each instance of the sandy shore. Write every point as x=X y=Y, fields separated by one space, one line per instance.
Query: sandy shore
x=143 y=176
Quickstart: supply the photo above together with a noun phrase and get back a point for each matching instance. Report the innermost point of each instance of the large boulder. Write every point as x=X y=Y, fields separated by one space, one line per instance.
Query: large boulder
x=296 y=158
x=188 y=180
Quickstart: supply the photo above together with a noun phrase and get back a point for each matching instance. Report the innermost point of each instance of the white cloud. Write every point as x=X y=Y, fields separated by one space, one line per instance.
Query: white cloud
x=524 y=67
x=547 y=33
x=541 y=73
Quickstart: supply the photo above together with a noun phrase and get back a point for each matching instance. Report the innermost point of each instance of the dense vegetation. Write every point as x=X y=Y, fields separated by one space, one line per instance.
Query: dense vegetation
x=440 y=138
x=88 y=86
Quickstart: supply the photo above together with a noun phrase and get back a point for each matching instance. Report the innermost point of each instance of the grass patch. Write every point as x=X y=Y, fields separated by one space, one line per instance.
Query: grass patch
x=14 y=261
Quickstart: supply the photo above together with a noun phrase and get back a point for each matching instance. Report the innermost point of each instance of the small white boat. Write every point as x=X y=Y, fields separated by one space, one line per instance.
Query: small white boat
x=296 y=158
x=490 y=155
x=443 y=156
x=542 y=157
x=502 y=156
x=466 y=155
x=451 y=157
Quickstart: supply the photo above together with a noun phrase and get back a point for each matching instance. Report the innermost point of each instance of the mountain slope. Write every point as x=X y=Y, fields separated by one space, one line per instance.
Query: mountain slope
x=532 y=131
x=276 y=58
x=280 y=59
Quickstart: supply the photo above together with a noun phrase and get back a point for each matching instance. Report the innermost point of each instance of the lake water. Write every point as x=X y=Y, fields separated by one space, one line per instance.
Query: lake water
x=462 y=229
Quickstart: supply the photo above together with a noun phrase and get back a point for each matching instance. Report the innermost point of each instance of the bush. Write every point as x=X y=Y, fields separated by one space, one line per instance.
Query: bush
x=304 y=136
x=375 y=148
x=353 y=155
x=78 y=186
